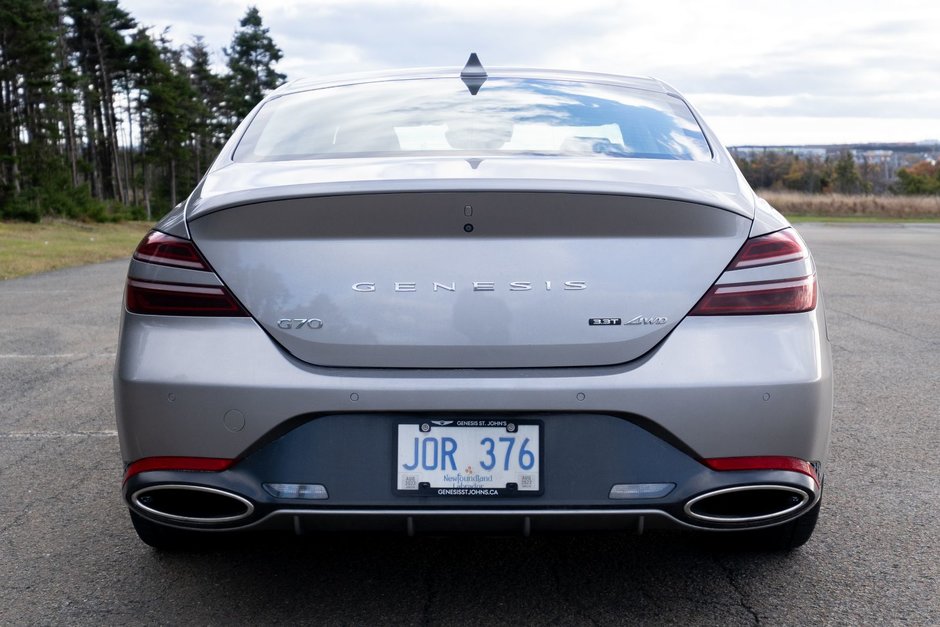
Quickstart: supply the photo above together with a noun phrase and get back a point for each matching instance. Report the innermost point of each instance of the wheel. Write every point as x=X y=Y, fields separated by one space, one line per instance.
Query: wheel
x=165 y=538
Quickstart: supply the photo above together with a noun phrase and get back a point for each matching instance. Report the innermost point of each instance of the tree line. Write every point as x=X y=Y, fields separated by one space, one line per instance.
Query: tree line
x=101 y=118
x=841 y=173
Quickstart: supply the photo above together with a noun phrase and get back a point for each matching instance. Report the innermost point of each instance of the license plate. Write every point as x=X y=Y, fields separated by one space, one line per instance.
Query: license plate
x=469 y=458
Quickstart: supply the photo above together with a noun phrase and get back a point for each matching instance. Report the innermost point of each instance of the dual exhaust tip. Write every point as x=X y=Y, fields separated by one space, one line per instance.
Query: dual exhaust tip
x=748 y=504
x=193 y=504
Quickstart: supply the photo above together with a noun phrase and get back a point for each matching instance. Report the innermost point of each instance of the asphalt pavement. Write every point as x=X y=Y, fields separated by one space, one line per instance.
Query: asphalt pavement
x=68 y=554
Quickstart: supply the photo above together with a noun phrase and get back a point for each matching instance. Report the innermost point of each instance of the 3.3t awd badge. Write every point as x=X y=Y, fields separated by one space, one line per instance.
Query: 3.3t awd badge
x=638 y=320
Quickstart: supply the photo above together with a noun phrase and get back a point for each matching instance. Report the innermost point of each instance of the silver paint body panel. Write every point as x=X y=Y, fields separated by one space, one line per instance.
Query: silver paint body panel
x=706 y=385
x=516 y=292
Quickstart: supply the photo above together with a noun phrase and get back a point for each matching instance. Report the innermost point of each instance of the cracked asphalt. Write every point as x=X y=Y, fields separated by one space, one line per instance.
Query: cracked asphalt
x=68 y=554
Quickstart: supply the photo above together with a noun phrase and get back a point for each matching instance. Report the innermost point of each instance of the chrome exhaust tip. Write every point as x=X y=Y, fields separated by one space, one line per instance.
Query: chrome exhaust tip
x=748 y=504
x=192 y=504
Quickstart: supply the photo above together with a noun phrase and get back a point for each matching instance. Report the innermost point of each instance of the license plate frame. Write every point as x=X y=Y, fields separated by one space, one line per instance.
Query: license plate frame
x=433 y=482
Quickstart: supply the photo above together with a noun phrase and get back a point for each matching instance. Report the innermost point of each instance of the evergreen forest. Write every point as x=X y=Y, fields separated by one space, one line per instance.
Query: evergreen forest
x=102 y=118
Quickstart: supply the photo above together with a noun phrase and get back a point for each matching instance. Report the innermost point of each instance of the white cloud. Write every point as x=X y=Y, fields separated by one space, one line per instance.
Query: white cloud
x=776 y=130
x=853 y=67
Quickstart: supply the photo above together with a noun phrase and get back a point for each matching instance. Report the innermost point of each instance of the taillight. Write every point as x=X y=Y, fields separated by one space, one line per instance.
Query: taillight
x=167 y=250
x=764 y=297
x=193 y=464
x=779 y=247
x=792 y=294
x=170 y=298
x=178 y=299
x=766 y=462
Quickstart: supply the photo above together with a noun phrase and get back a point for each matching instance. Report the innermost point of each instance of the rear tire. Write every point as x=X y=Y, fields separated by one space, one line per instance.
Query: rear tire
x=165 y=538
x=787 y=536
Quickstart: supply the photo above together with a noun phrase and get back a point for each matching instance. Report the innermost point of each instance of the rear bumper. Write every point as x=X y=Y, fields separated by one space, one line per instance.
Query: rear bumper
x=430 y=521
x=358 y=503
x=717 y=387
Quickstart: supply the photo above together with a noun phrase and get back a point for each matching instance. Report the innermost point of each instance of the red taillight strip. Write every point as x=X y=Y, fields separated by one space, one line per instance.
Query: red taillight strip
x=167 y=250
x=178 y=299
x=760 y=286
x=766 y=262
x=770 y=462
x=176 y=287
x=193 y=464
x=162 y=260
x=766 y=250
x=763 y=297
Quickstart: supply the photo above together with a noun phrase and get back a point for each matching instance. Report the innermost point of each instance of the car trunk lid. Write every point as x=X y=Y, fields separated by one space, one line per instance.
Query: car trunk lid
x=469 y=279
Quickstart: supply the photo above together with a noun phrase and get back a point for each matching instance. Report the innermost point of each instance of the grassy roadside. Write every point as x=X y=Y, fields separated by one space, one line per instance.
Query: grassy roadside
x=861 y=219
x=27 y=248
x=858 y=207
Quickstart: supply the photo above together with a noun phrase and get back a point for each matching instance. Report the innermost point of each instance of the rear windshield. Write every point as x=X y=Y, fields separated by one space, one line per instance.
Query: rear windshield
x=440 y=116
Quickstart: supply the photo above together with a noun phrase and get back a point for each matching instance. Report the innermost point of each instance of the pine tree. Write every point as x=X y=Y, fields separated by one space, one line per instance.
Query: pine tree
x=846 y=177
x=210 y=129
x=167 y=105
x=29 y=121
x=251 y=61
x=97 y=38
x=96 y=113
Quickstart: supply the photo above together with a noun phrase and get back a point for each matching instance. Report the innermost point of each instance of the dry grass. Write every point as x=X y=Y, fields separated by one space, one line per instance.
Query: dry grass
x=860 y=206
x=30 y=248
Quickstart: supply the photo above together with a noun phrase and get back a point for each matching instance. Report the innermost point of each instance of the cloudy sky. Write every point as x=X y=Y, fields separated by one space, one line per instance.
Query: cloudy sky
x=761 y=72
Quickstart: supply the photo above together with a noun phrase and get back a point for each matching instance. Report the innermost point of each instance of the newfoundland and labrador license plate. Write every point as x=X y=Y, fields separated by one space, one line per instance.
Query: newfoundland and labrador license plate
x=477 y=457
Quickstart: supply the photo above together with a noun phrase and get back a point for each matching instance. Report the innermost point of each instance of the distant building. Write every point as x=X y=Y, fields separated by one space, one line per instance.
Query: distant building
x=802 y=151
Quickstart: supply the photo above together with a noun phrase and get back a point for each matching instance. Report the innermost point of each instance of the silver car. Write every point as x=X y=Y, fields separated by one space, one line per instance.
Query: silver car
x=499 y=300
